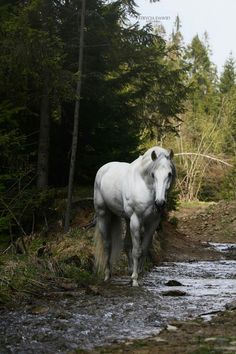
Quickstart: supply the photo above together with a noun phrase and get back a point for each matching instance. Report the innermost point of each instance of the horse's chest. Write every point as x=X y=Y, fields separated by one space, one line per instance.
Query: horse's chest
x=141 y=205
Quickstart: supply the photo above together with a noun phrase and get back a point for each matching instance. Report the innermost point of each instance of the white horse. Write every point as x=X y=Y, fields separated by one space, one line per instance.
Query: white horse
x=135 y=191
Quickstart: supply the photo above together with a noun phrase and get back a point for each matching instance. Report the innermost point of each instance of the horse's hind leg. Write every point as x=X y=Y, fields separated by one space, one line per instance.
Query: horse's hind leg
x=128 y=246
x=103 y=224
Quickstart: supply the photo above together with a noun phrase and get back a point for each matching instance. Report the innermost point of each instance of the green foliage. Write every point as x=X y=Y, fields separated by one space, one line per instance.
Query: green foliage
x=25 y=211
x=24 y=276
x=228 y=76
x=174 y=221
x=207 y=128
x=81 y=276
x=136 y=86
x=126 y=68
x=173 y=200
x=228 y=186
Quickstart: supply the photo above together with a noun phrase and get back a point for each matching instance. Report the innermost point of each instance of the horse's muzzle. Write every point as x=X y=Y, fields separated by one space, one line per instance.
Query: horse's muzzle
x=160 y=204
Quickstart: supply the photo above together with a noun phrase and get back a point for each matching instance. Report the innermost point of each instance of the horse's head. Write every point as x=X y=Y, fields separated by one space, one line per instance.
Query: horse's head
x=161 y=174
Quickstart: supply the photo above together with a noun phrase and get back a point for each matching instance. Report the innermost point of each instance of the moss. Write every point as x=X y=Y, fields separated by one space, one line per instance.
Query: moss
x=174 y=221
x=80 y=275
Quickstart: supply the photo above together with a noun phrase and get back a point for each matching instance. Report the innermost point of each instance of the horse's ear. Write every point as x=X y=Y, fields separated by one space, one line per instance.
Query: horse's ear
x=153 y=155
x=171 y=154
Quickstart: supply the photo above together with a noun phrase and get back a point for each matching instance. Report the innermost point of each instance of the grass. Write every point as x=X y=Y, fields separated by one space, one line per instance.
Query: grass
x=49 y=257
x=84 y=191
x=68 y=256
x=195 y=204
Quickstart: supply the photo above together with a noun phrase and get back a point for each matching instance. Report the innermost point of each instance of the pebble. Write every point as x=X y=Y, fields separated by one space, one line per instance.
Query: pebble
x=39 y=310
x=174 y=293
x=158 y=339
x=173 y=283
x=211 y=339
x=171 y=328
x=231 y=305
x=68 y=286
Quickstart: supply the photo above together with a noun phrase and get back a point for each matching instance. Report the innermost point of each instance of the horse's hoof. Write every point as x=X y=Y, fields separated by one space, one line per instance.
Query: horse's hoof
x=135 y=283
x=107 y=279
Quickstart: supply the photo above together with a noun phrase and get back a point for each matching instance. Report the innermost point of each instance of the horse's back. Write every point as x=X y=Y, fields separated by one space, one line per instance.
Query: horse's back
x=108 y=188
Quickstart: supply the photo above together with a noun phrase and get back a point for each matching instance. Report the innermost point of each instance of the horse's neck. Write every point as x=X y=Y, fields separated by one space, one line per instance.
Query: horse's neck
x=142 y=168
x=146 y=166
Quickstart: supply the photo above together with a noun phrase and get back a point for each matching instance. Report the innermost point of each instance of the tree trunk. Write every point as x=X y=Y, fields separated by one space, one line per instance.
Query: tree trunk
x=76 y=121
x=43 y=147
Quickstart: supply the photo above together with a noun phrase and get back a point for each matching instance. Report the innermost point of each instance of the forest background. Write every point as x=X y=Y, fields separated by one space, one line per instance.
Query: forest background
x=138 y=89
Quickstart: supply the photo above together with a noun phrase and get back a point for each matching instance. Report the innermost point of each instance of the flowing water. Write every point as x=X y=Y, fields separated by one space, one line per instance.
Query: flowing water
x=116 y=312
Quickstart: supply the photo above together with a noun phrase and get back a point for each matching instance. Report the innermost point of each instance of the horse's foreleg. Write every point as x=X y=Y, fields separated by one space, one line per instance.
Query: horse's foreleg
x=103 y=223
x=136 y=250
x=128 y=246
x=149 y=231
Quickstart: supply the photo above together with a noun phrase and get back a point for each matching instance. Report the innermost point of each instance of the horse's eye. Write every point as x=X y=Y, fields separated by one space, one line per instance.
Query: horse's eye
x=169 y=174
x=152 y=175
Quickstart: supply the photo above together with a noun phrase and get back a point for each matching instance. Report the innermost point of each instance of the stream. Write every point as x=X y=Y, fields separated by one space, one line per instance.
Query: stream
x=117 y=312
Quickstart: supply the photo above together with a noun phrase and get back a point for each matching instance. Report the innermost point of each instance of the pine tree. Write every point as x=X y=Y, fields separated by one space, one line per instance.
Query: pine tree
x=228 y=76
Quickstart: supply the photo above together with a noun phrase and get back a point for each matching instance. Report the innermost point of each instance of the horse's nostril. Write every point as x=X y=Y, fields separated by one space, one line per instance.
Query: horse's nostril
x=160 y=203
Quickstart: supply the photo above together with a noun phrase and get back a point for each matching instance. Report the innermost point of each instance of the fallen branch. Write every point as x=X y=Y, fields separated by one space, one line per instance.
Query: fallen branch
x=203 y=155
x=7 y=249
x=89 y=225
x=14 y=217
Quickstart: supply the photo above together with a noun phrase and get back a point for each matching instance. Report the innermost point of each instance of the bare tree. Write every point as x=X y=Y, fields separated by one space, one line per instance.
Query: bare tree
x=43 y=148
x=76 y=120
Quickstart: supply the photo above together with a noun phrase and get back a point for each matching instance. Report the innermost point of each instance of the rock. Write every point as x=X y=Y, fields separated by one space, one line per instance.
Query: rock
x=39 y=310
x=210 y=339
x=68 y=286
x=158 y=339
x=92 y=290
x=174 y=293
x=231 y=305
x=173 y=283
x=171 y=328
x=127 y=343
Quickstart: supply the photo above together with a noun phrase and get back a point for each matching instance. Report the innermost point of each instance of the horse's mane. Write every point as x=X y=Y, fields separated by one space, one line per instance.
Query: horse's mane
x=148 y=165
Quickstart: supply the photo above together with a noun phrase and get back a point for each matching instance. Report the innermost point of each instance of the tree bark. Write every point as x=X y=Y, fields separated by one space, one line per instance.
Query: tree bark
x=76 y=121
x=43 y=147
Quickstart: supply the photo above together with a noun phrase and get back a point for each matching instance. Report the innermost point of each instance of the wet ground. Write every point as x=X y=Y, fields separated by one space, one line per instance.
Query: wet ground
x=116 y=312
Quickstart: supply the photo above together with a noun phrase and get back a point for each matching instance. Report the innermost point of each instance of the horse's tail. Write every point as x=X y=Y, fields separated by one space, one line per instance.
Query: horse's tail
x=116 y=244
x=116 y=238
x=99 y=251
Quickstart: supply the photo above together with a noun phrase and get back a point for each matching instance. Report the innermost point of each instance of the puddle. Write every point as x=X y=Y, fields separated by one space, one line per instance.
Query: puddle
x=120 y=312
x=223 y=247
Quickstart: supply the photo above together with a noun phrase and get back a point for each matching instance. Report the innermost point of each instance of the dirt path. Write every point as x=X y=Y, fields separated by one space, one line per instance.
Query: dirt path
x=209 y=223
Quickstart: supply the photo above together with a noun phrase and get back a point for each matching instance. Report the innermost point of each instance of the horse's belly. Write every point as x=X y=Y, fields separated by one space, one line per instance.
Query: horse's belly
x=111 y=188
x=113 y=198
